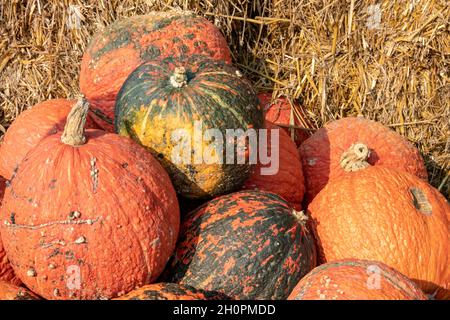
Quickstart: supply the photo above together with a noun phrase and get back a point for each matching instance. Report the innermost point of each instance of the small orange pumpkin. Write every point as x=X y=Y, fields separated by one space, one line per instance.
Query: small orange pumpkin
x=288 y=182
x=321 y=153
x=30 y=127
x=382 y=214
x=89 y=215
x=10 y=291
x=353 y=279
x=285 y=113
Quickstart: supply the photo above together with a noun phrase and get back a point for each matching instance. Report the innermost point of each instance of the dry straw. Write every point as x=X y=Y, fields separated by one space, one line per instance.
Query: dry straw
x=386 y=60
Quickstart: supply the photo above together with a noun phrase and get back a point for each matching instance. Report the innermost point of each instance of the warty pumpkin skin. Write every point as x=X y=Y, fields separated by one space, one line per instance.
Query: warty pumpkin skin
x=246 y=245
x=382 y=214
x=10 y=291
x=116 y=51
x=321 y=153
x=6 y=271
x=353 y=279
x=161 y=97
x=30 y=127
x=280 y=112
x=171 y=291
x=288 y=182
x=88 y=216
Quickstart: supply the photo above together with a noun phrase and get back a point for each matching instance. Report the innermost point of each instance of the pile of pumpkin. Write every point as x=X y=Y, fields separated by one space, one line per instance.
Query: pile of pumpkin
x=91 y=194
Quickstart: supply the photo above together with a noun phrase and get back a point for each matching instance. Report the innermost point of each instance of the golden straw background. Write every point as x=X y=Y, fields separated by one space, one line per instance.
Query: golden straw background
x=386 y=60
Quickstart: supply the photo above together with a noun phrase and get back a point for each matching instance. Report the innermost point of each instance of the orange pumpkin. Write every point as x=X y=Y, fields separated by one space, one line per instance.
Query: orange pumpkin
x=353 y=279
x=171 y=291
x=321 y=153
x=382 y=214
x=30 y=127
x=285 y=113
x=115 y=52
x=88 y=215
x=6 y=271
x=288 y=181
x=9 y=291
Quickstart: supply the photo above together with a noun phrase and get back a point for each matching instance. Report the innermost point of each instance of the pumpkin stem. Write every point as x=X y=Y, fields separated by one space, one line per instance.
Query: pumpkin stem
x=73 y=134
x=179 y=77
x=355 y=158
x=301 y=216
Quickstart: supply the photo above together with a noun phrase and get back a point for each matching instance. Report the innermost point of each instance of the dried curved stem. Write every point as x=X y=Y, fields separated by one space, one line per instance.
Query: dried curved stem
x=355 y=158
x=73 y=134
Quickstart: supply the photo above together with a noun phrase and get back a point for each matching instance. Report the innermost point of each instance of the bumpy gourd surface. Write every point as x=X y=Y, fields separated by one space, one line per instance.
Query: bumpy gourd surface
x=390 y=216
x=321 y=153
x=150 y=110
x=116 y=51
x=89 y=222
x=246 y=245
x=9 y=291
x=355 y=280
x=6 y=271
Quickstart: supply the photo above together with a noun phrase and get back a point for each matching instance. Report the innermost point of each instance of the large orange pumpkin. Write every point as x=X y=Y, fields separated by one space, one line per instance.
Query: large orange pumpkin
x=10 y=291
x=353 y=279
x=287 y=114
x=88 y=215
x=6 y=271
x=387 y=215
x=116 y=51
x=321 y=153
x=30 y=127
x=288 y=181
x=171 y=291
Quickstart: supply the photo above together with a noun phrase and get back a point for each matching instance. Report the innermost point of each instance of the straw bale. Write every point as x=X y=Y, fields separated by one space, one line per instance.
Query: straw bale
x=387 y=60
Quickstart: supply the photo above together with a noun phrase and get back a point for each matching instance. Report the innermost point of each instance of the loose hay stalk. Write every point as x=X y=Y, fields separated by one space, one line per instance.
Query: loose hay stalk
x=337 y=58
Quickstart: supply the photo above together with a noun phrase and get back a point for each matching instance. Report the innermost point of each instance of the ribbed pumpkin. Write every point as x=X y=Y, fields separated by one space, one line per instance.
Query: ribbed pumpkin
x=288 y=182
x=382 y=214
x=6 y=271
x=30 y=127
x=122 y=46
x=171 y=291
x=88 y=215
x=353 y=279
x=10 y=291
x=321 y=154
x=284 y=113
x=161 y=98
x=246 y=245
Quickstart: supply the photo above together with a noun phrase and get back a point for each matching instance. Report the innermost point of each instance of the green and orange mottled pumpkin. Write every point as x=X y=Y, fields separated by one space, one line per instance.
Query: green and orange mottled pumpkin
x=246 y=245
x=88 y=215
x=285 y=176
x=175 y=108
x=30 y=127
x=6 y=271
x=171 y=291
x=122 y=46
x=10 y=291
x=353 y=279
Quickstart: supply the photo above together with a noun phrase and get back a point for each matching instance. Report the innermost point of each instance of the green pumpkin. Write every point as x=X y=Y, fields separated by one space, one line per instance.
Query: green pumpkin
x=164 y=105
